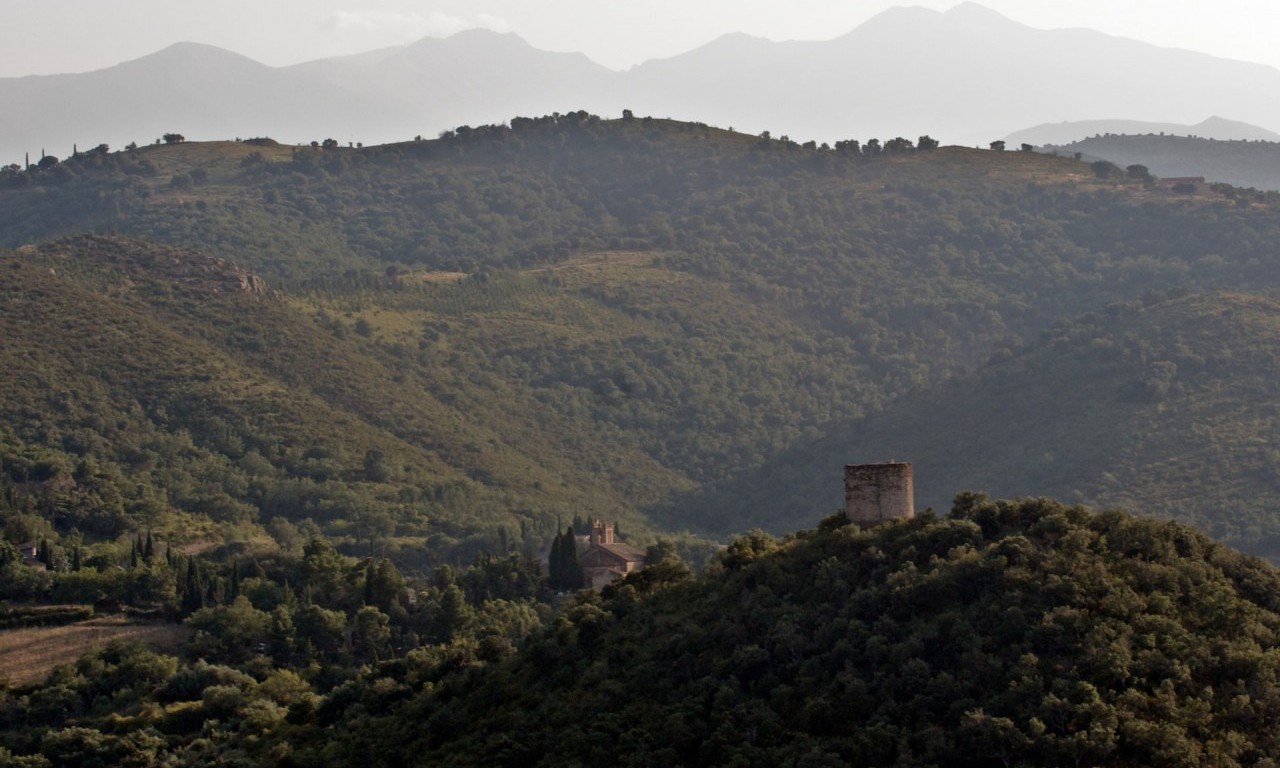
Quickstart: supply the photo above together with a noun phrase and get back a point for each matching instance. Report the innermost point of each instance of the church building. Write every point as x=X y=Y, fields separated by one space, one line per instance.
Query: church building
x=606 y=559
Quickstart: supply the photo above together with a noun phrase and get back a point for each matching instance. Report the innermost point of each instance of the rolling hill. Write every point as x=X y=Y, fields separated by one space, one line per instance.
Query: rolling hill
x=510 y=325
x=1249 y=164
x=1166 y=405
x=1025 y=632
x=1217 y=128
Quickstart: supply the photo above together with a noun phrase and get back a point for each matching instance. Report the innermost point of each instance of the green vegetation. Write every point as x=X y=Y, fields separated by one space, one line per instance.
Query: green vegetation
x=1166 y=404
x=1026 y=632
x=1246 y=164
x=481 y=333
x=330 y=407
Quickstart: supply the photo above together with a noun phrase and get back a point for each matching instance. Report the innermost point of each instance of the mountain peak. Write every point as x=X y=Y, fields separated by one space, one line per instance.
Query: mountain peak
x=188 y=53
x=475 y=36
x=972 y=14
x=970 y=9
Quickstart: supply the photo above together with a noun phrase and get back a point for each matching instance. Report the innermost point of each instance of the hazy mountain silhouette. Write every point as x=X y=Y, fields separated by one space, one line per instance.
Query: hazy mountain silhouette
x=1217 y=128
x=967 y=75
x=474 y=77
x=961 y=75
x=198 y=90
x=1240 y=163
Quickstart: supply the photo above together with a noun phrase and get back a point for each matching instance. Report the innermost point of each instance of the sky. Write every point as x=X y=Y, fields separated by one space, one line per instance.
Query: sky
x=53 y=36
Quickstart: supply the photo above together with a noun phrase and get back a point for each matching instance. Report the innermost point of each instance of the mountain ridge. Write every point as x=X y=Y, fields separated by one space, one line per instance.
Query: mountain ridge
x=952 y=79
x=1067 y=132
x=616 y=341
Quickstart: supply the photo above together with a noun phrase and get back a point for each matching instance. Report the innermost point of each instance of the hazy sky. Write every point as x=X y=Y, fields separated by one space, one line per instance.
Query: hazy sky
x=49 y=36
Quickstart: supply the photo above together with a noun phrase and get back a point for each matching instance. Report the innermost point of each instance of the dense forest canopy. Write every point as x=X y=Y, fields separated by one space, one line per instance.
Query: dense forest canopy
x=1166 y=403
x=324 y=412
x=562 y=316
x=1027 y=632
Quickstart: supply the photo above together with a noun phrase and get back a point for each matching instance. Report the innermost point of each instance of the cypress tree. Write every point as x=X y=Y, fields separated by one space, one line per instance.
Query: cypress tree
x=234 y=590
x=133 y=554
x=572 y=570
x=555 y=564
x=75 y=558
x=149 y=550
x=192 y=596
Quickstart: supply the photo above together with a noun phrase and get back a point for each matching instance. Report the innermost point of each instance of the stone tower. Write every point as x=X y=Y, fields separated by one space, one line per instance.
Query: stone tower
x=874 y=493
x=601 y=532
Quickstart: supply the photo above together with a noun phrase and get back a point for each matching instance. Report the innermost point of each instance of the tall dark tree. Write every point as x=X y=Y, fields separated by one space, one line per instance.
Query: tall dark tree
x=564 y=571
x=555 y=564
x=193 y=594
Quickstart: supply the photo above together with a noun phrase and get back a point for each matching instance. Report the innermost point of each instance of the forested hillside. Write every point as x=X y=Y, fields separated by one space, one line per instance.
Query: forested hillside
x=150 y=388
x=330 y=407
x=1254 y=164
x=473 y=336
x=1029 y=633
x=1022 y=632
x=1166 y=404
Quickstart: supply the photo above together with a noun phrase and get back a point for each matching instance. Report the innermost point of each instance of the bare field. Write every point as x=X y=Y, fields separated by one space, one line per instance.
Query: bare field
x=28 y=655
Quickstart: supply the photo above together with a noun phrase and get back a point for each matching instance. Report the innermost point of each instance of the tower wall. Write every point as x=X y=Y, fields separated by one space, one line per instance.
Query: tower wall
x=874 y=493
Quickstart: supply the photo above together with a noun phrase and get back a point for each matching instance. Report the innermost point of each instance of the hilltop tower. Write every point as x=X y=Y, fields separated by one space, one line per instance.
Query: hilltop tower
x=874 y=493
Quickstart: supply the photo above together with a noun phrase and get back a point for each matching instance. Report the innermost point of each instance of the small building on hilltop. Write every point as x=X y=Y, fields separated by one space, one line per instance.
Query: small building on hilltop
x=876 y=493
x=606 y=559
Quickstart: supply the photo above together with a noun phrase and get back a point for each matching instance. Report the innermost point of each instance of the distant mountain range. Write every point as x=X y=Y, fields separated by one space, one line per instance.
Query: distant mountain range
x=1239 y=162
x=1217 y=128
x=966 y=75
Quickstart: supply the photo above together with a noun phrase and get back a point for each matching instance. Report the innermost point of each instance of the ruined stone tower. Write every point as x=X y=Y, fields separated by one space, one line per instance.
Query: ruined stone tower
x=874 y=493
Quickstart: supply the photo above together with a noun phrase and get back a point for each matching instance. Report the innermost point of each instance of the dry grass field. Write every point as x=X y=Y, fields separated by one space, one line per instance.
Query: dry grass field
x=28 y=655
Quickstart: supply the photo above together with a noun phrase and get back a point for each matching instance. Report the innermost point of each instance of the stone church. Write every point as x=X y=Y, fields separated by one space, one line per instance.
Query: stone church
x=606 y=559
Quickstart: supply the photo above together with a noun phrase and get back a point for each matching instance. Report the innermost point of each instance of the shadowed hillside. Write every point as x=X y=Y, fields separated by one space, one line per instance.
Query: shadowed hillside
x=568 y=315
x=1167 y=406
x=1253 y=164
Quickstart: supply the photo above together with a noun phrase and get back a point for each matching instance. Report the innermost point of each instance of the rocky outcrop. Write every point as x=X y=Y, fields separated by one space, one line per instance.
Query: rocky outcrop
x=138 y=260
